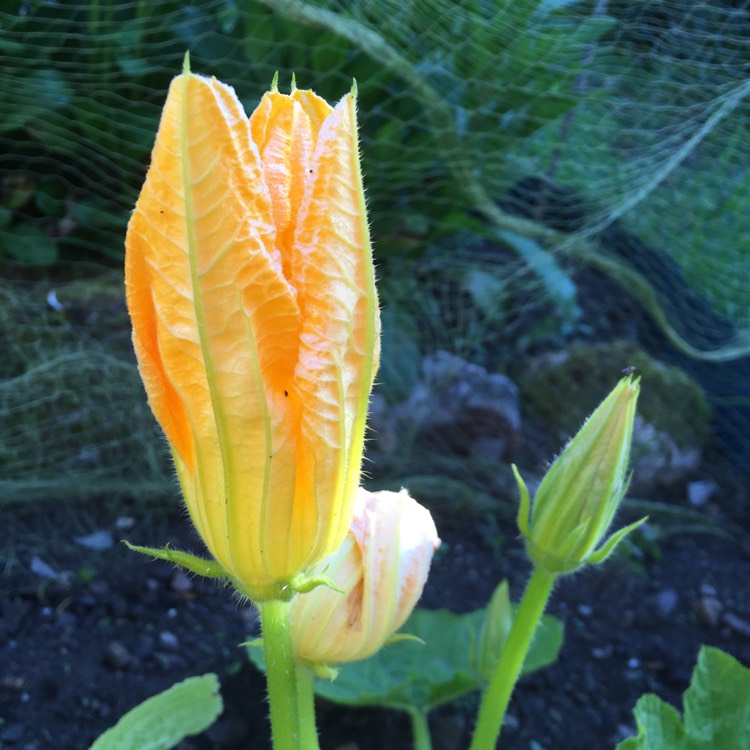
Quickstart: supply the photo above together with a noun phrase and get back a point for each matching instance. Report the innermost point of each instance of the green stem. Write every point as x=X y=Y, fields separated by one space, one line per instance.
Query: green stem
x=281 y=674
x=497 y=695
x=306 y=700
x=420 y=730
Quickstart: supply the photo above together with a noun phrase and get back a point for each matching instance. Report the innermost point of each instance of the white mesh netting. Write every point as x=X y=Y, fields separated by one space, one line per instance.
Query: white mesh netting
x=507 y=145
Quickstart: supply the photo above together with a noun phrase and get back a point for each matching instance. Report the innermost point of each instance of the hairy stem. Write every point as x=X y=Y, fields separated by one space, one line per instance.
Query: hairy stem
x=508 y=669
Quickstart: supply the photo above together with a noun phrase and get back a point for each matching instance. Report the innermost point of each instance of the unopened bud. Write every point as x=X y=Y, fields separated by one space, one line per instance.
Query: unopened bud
x=578 y=497
x=379 y=571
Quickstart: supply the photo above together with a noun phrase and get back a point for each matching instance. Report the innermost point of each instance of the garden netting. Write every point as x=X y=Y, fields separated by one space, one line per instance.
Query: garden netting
x=507 y=146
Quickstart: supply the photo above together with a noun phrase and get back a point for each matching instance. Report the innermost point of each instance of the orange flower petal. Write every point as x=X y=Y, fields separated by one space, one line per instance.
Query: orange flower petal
x=221 y=320
x=333 y=273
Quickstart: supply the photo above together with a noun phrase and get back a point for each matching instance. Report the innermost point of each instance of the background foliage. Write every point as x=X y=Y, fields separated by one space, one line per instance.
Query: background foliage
x=507 y=146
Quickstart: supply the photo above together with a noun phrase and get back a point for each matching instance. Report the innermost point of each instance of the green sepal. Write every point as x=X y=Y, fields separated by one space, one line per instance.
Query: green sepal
x=198 y=565
x=398 y=637
x=609 y=546
x=324 y=671
x=524 y=509
x=303 y=585
x=255 y=643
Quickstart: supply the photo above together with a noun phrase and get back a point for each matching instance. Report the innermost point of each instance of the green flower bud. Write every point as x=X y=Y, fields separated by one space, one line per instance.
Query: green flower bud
x=579 y=495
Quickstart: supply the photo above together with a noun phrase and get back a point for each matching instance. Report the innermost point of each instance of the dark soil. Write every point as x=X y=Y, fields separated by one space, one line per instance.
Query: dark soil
x=112 y=628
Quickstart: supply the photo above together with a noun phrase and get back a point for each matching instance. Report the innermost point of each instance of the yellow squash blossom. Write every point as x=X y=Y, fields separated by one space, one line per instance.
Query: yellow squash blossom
x=251 y=289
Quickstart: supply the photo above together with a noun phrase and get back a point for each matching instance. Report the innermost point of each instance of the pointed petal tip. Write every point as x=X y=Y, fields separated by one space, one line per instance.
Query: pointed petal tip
x=275 y=82
x=186 y=63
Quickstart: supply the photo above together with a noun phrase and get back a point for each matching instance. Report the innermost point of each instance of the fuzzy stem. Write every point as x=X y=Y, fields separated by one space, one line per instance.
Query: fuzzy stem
x=306 y=701
x=281 y=674
x=496 y=697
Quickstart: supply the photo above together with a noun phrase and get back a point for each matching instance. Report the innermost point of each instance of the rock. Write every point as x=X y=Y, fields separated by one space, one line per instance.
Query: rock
x=180 y=582
x=41 y=569
x=701 y=491
x=665 y=602
x=708 y=611
x=124 y=523
x=737 y=624
x=168 y=641
x=649 y=613
x=97 y=540
x=117 y=656
x=457 y=408
x=14 y=683
x=657 y=460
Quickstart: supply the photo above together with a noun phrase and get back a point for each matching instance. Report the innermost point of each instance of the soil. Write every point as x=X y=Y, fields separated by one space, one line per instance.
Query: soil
x=86 y=634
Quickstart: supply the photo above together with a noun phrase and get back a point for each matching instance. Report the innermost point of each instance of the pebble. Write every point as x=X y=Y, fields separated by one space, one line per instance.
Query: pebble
x=97 y=540
x=666 y=602
x=41 y=569
x=125 y=523
x=708 y=589
x=708 y=610
x=180 y=583
x=701 y=491
x=737 y=624
x=15 y=683
x=602 y=652
x=117 y=656
x=169 y=641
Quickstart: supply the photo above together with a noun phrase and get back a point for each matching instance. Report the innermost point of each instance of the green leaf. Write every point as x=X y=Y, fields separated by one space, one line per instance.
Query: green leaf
x=716 y=710
x=39 y=92
x=408 y=675
x=159 y=723
x=30 y=244
x=559 y=285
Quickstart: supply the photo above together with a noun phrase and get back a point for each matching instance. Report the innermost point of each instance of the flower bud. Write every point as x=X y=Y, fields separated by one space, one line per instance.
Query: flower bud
x=380 y=571
x=251 y=287
x=579 y=495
